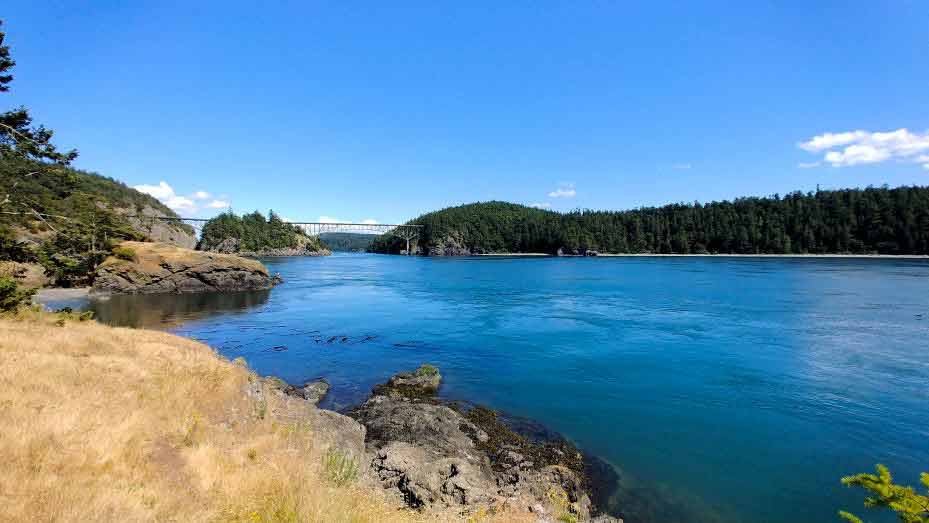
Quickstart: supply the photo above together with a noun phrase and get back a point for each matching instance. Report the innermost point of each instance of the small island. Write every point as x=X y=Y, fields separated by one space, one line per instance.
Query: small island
x=254 y=235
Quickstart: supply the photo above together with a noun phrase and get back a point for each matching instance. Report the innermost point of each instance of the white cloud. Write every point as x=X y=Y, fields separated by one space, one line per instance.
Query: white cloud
x=181 y=204
x=162 y=191
x=807 y=165
x=829 y=140
x=565 y=190
x=369 y=221
x=863 y=147
x=177 y=203
x=541 y=205
x=924 y=159
x=682 y=166
x=329 y=219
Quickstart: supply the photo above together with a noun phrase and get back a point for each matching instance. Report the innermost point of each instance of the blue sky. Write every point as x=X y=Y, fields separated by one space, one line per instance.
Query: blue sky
x=385 y=110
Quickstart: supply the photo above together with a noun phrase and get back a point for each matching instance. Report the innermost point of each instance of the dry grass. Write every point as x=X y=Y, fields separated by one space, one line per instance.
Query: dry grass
x=151 y=255
x=105 y=424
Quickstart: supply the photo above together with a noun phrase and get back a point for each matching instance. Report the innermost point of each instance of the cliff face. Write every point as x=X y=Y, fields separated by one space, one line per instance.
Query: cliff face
x=159 y=230
x=161 y=268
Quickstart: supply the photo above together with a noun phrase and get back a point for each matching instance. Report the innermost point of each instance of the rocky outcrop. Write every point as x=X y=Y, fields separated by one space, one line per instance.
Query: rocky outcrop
x=452 y=244
x=144 y=221
x=444 y=460
x=304 y=247
x=451 y=459
x=333 y=430
x=424 y=381
x=150 y=268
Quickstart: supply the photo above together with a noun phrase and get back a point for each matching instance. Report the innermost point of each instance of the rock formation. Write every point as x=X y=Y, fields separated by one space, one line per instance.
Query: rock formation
x=149 y=268
x=452 y=459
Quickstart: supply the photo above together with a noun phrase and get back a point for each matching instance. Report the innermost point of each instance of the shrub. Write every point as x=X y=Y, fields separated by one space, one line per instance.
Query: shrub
x=11 y=296
x=125 y=253
x=909 y=506
x=427 y=370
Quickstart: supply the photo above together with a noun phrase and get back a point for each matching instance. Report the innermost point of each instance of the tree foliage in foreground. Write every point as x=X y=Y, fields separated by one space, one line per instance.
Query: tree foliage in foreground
x=18 y=137
x=909 y=506
x=69 y=217
x=857 y=221
x=254 y=233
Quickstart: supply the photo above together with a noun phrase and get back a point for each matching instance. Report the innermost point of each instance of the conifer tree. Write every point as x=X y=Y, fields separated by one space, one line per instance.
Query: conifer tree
x=909 y=506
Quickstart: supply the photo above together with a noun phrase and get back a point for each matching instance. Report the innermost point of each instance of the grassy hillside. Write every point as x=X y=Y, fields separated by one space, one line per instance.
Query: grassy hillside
x=104 y=424
x=860 y=221
x=68 y=219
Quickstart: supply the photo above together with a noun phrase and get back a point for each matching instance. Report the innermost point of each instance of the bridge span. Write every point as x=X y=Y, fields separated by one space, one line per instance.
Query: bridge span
x=406 y=232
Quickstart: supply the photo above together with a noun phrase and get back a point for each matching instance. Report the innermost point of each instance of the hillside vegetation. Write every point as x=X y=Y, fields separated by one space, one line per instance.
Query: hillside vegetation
x=857 y=221
x=69 y=220
x=66 y=219
x=347 y=241
x=255 y=234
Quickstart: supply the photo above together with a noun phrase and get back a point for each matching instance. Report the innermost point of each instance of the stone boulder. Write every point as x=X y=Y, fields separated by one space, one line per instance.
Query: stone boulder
x=312 y=391
x=331 y=429
x=423 y=381
x=447 y=461
x=162 y=268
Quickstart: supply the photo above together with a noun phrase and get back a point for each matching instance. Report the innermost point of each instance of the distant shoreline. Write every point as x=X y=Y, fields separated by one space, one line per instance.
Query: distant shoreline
x=648 y=255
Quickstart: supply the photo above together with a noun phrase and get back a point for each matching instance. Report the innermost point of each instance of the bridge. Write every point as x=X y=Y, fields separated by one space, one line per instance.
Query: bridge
x=403 y=231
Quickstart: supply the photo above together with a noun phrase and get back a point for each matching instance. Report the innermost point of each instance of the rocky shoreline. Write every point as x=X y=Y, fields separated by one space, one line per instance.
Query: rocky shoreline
x=452 y=459
x=152 y=268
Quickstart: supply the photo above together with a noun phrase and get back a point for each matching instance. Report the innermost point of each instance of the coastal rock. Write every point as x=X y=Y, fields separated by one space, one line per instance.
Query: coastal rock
x=423 y=381
x=315 y=391
x=437 y=429
x=426 y=481
x=332 y=429
x=443 y=460
x=162 y=268
x=312 y=391
x=451 y=245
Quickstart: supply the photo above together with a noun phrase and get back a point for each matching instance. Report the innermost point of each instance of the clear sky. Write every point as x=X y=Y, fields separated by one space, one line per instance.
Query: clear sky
x=385 y=110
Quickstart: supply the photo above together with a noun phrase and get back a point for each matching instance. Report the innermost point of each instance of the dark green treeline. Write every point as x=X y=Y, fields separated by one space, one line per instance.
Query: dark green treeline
x=859 y=221
x=253 y=232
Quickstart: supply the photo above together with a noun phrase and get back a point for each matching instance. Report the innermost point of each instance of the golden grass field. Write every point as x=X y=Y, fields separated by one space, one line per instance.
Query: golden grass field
x=107 y=424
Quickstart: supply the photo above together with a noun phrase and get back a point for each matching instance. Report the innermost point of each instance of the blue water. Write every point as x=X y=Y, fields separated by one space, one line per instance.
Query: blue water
x=722 y=389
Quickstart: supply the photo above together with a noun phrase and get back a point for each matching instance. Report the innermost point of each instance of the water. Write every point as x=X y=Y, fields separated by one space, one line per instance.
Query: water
x=722 y=389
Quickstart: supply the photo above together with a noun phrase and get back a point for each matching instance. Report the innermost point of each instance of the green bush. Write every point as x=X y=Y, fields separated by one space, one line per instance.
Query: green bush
x=11 y=296
x=909 y=506
x=125 y=253
x=427 y=370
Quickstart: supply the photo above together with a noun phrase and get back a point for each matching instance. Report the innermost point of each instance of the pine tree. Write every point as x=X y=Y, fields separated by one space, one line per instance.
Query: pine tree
x=909 y=506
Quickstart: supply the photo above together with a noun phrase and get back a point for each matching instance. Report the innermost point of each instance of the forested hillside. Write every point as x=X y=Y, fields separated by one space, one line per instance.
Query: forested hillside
x=68 y=220
x=860 y=221
x=347 y=241
x=253 y=233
